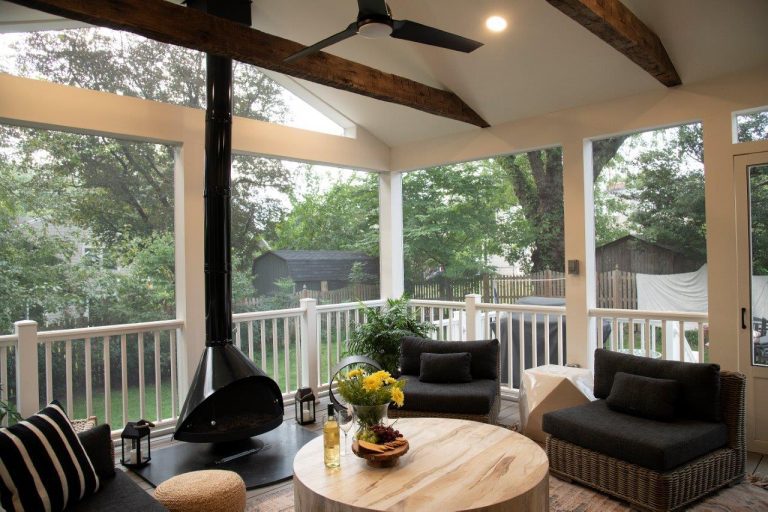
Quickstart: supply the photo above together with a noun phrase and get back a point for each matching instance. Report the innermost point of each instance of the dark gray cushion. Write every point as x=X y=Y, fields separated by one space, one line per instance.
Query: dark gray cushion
x=98 y=446
x=646 y=397
x=118 y=494
x=699 y=396
x=660 y=446
x=485 y=354
x=473 y=397
x=446 y=367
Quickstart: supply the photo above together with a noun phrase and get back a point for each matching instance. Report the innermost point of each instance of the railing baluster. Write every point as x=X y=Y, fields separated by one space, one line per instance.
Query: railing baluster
x=681 y=337
x=263 y=340
x=250 y=340
x=158 y=379
x=664 y=339
x=647 y=338
x=48 y=372
x=142 y=396
x=286 y=355
x=124 y=375
x=701 y=342
x=510 y=351
x=297 y=345
x=631 y=334
x=68 y=364
x=107 y=379
x=521 y=345
x=560 y=359
x=275 y=354
x=338 y=336
x=546 y=338
x=238 y=342
x=614 y=333
x=346 y=330
x=534 y=341
x=174 y=391
x=88 y=379
x=328 y=342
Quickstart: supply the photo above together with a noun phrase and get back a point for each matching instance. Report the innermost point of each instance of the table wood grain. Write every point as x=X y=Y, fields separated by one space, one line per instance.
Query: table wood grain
x=452 y=465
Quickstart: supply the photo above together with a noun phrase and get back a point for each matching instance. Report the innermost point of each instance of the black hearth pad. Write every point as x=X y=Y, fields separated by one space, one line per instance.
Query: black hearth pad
x=272 y=463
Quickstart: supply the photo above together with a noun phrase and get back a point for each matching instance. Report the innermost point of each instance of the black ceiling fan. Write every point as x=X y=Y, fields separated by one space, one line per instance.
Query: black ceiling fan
x=374 y=20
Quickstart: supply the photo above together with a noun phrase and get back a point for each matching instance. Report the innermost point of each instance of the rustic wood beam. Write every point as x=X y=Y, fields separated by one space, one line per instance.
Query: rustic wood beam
x=178 y=25
x=614 y=23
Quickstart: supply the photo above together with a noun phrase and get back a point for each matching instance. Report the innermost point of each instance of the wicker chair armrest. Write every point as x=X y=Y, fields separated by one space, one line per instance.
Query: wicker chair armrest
x=732 y=405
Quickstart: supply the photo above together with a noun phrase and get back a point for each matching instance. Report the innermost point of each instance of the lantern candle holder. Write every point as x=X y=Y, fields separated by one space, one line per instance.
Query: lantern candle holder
x=136 y=450
x=304 y=405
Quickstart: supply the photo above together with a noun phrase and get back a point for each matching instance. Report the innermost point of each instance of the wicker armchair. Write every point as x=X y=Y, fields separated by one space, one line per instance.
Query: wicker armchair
x=650 y=490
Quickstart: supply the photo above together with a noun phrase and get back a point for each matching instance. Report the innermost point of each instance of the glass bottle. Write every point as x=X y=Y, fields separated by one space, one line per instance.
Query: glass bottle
x=331 y=455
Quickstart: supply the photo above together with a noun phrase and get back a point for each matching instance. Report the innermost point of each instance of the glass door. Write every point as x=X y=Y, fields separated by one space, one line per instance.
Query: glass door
x=751 y=173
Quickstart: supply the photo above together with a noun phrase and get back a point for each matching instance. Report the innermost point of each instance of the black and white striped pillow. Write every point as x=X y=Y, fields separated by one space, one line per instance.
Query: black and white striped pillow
x=43 y=465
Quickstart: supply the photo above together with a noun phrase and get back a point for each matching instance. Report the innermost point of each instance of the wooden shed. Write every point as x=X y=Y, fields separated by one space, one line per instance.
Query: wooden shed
x=633 y=254
x=313 y=270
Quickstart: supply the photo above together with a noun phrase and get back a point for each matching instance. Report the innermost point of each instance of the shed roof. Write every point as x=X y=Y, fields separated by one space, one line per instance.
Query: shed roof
x=323 y=265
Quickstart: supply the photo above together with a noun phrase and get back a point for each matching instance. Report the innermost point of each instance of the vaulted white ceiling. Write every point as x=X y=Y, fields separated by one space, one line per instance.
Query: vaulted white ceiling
x=542 y=63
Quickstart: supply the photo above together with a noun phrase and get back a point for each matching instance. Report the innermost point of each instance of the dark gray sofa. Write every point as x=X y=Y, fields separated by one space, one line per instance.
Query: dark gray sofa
x=478 y=399
x=659 y=450
x=117 y=492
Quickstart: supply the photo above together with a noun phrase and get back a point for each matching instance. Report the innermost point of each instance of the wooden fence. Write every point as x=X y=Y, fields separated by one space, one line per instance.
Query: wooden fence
x=615 y=289
x=352 y=293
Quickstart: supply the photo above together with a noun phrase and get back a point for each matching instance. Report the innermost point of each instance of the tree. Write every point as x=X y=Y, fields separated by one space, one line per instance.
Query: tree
x=120 y=193
x=344 y=217
x=454 y=217
x=537 y=181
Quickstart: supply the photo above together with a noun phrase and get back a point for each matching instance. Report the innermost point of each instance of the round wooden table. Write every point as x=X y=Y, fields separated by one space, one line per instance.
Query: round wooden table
x=451 y=465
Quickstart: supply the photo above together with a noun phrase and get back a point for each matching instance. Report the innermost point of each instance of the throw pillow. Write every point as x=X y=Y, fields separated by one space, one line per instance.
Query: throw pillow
x=100 y=450
x=699 y=382
x=446 y=368
x=646 y=397
x=485 y=354
x=43 y=466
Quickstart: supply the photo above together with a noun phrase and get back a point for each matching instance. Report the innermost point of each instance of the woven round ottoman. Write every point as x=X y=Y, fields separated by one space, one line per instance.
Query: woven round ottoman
x=203 y=491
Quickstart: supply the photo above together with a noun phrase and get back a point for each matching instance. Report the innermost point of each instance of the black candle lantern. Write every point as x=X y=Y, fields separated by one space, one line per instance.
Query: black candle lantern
x=304 y=405
x=136 y=450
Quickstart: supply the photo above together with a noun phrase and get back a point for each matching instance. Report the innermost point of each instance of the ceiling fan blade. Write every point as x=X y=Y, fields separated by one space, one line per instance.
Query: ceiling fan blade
x=348 y=32
x=372 y=8
x=418 y=33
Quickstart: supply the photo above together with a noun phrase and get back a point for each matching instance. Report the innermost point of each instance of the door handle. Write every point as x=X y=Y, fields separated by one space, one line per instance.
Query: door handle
x=743 y=318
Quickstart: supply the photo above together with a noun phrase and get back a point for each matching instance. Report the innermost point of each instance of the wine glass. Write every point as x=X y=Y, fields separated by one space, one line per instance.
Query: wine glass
x=344 y=417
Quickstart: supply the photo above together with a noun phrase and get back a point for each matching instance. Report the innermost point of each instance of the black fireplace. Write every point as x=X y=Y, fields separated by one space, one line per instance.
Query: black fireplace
x=230 y=398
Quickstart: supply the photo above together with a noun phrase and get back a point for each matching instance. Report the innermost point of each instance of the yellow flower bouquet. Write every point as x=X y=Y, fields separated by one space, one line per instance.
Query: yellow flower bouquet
x=370 y=395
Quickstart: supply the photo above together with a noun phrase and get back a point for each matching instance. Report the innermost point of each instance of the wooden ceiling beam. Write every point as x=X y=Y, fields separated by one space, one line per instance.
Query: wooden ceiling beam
x=190 y=28
x=614 y=23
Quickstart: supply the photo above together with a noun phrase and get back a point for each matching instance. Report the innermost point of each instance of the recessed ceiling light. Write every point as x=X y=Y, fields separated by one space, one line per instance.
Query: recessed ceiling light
x=496 y=23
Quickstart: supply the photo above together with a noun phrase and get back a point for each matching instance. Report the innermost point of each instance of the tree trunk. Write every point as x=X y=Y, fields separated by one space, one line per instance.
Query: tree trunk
x=537 y=178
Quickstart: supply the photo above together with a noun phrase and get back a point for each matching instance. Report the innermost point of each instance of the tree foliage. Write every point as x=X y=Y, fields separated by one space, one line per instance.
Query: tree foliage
x=117 y=195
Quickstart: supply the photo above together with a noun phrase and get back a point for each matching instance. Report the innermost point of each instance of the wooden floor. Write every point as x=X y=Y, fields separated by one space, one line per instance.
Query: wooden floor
x=756 y=463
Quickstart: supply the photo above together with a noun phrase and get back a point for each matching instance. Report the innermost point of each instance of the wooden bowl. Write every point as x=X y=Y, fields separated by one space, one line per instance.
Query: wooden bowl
x=380 y=460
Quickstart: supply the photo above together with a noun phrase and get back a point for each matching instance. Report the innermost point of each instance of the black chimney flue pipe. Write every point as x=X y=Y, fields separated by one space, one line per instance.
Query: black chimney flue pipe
x=218 y=182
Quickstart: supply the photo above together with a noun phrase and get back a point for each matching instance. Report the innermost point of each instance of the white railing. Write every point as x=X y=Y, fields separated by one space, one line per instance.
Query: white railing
x=77 y=368
x=665 y=335
x=299 y=347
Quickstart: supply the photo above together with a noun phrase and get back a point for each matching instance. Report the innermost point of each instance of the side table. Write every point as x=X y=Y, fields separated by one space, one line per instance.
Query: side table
x=548 y=388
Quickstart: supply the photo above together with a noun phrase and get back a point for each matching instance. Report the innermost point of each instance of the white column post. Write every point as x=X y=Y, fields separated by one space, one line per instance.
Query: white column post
x=579 y=245
x=472 y=300
x=391 y=271
x=190 y=283
x=310 y=355
x=27 y=388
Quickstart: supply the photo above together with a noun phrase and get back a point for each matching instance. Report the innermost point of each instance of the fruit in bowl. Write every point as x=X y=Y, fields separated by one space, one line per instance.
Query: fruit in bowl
x=379 y=434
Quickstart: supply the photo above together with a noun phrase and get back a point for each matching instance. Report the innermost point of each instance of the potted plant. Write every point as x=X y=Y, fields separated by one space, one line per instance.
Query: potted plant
x=379 y=337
